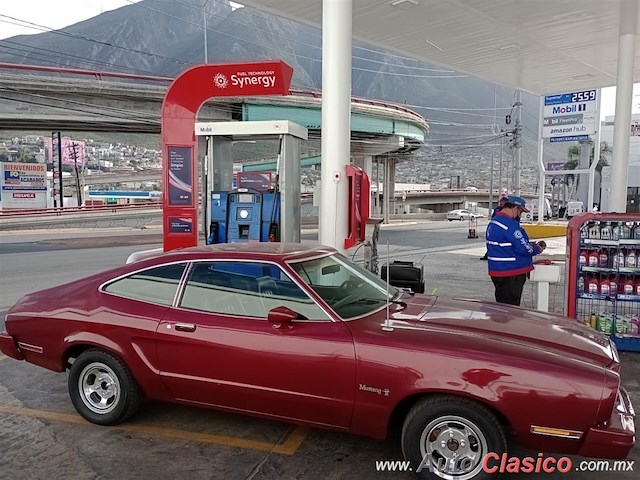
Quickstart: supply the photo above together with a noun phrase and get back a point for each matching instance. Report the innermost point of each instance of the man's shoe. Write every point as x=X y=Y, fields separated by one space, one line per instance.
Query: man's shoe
x=484 y=257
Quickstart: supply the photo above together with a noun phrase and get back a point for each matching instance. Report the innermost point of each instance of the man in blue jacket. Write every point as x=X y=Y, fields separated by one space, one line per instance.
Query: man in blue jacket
x=501 y=202
x=510 y=253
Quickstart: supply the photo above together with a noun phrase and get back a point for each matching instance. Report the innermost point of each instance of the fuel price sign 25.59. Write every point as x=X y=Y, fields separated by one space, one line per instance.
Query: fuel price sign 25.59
x=573 y=97
x=585 y=96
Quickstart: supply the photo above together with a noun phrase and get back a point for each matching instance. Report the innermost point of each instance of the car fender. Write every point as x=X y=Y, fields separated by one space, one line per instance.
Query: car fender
x=544 y=390
x=141 y=367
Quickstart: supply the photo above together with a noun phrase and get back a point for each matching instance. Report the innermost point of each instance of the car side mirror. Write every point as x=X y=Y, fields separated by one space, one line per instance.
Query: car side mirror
x=281 y=317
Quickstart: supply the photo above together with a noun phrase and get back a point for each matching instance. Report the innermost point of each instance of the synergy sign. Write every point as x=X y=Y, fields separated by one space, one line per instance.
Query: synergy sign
x=231 y=80
x=23 y=185
x=570 y=116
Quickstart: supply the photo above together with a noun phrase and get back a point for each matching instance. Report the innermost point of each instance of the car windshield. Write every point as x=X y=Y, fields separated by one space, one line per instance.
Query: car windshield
x=350 y=290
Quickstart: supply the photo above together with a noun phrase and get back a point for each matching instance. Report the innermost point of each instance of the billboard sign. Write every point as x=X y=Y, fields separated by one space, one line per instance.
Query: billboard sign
x=180 y=176
x=570 y=116
x=180 y=225
x=23 y=185
x=72 y=152
x=260 y=181
x=551 y=166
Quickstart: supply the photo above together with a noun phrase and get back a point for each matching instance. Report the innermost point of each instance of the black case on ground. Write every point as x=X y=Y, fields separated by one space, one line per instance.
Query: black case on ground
x=405 y=275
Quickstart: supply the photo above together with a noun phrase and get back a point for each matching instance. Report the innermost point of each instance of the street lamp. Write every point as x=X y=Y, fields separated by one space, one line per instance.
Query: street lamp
x=204 y=18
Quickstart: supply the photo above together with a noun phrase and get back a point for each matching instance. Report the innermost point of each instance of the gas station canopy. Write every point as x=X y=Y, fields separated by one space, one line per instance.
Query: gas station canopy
x=538 y=46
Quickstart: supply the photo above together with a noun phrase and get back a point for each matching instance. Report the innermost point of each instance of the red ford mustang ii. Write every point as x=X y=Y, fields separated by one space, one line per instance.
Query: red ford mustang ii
x=299 y=333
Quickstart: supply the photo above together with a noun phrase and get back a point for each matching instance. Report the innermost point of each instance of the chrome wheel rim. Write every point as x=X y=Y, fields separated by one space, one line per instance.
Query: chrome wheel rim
x=99 y=388
x=453 y=447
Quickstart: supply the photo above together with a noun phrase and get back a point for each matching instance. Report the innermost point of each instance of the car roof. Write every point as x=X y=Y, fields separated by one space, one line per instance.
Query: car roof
x=249 y=250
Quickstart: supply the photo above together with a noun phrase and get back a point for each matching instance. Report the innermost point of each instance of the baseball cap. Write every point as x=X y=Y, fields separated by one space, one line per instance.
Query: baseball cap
x=518 y=202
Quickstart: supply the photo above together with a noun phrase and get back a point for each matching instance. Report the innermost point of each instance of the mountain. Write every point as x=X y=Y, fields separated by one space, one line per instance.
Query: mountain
x=155 y=37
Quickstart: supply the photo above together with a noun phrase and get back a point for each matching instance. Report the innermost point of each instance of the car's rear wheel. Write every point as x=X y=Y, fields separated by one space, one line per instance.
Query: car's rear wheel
x=102 y=388
x=447 y=437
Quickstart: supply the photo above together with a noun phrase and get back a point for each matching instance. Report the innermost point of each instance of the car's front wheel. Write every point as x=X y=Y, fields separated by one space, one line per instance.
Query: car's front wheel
x=102 y=388
x=447 y=437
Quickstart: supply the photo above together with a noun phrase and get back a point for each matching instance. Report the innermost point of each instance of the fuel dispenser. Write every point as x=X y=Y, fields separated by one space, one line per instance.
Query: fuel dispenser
x=244 y=215
x=247 y=214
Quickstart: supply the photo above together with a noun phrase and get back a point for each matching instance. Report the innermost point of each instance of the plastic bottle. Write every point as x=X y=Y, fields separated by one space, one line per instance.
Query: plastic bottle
x=618 y=259
x=605 y=231
x=593 y=286
x=625 y=231
x=583 y=258
x=580 y=284
x=584 y=231
x=636 y=286
x=604 y=287
x=603 y=258
x=628 y=286
x=630 y=259
x=594 y=231
x=594 y=258
x=615 y=231
x=613 y=286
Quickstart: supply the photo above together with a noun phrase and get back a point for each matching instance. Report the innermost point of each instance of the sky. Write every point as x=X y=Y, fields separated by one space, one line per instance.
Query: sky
x=55 y=14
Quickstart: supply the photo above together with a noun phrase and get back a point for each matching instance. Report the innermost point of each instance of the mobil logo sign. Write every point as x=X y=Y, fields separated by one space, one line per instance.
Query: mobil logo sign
x=560 y=110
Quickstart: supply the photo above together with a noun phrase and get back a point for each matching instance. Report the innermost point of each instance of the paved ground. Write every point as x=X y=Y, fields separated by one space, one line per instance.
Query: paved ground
x=41 y=436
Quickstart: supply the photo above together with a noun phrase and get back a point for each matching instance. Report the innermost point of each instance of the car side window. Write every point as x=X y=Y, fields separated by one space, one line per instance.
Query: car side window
x=248 y=289
x=155 y=285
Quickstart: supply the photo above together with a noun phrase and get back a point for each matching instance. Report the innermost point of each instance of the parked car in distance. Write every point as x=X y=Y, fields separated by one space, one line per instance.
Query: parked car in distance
x=462 y=215
x=299 y=333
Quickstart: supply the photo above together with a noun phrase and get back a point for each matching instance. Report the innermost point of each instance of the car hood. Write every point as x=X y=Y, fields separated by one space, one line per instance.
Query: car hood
x=505 y=323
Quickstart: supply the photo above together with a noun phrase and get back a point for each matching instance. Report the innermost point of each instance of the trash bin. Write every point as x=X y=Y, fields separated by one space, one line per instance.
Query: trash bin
x=473 y=227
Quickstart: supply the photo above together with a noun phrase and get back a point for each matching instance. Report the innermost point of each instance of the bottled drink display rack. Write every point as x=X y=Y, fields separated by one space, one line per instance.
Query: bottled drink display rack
x=603 y=275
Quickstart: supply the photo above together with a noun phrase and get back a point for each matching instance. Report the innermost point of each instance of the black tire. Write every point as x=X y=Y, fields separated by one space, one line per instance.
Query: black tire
x=102 y=389
x=440 y=428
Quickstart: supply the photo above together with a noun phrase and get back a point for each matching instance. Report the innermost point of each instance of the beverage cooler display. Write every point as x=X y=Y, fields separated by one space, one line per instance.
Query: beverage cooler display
x=603 y=275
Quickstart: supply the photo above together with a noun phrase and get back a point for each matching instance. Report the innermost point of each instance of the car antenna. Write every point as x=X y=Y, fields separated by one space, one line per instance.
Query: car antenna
x=386 y=326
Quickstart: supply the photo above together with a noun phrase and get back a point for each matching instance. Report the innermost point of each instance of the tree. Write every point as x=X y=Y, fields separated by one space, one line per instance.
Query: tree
x=573 y=156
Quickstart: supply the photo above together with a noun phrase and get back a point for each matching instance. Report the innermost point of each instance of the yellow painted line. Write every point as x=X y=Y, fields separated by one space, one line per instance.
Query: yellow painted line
x=289 y=447
x=2 y=357
x=292 y=443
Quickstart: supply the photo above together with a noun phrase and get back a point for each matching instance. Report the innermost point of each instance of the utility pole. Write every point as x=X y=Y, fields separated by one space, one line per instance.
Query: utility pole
x=204 y=18
x=517 y=141
x=74 y=155
x=493 y=148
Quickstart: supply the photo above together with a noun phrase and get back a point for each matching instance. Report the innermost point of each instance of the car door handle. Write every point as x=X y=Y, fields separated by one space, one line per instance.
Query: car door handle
x=185 y=327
